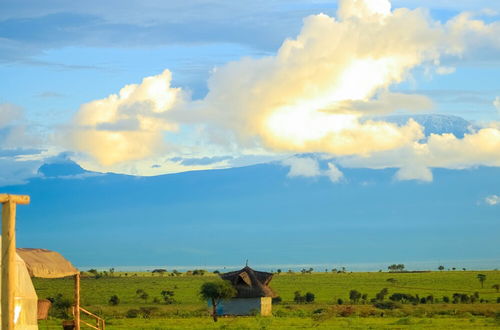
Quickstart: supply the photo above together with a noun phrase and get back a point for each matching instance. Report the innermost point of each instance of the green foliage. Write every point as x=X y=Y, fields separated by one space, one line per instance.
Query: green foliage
x=114 y=300
x=60 y=306
x=307 y=298
x=396 y=268
x=95 y=296
x=481 y=278
x=277 y=300
x=219 y=290
x=386 y=305
x=380 y=296
x=132 y=313
x=354 y=296
x=168 y=296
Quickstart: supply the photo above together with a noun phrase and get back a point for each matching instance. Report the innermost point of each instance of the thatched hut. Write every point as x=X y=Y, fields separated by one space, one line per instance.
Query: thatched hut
x=45 y=263
x=253 y=293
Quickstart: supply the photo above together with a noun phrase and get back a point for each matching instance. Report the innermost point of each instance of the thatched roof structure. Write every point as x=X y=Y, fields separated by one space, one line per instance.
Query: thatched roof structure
x=46 y=263
x=250 y=283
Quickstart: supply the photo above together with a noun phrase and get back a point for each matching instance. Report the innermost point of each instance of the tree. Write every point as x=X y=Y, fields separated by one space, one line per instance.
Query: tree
x=481 y=278
x=396 y=267
x=168 y=296
x=354 y=296
x=441 y=268
x=298 y=297
x=381 y=295
x=496 y=287
x=216 y=292
x=309 y=297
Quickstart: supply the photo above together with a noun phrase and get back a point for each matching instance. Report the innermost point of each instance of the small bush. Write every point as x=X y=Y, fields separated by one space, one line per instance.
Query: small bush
x=319 y=311
x=132 y=313
x=346 y=311
x=114 y=300
x=147 y=312
x=60 y=306
x=277 y=300
x=309 y=297
x=386 y=305
x=340 y=301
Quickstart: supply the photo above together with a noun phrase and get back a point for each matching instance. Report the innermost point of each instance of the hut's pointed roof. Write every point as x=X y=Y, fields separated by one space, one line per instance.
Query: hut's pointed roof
x=250 y=283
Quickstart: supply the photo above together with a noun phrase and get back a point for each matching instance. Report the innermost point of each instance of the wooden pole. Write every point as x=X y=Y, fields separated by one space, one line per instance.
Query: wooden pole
x=8 y=264
x=77 y=301
x=9 y=271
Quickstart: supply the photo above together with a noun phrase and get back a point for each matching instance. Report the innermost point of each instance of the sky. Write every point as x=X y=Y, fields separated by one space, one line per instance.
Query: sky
x=360 y=116
x=148 y=88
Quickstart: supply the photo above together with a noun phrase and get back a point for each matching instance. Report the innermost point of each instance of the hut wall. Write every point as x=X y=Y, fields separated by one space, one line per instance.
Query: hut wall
x=246 y=306
x=266 y=306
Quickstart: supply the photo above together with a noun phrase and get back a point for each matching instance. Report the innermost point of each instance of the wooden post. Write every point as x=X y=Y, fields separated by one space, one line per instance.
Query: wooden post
x=9 y=271
x=77 y=301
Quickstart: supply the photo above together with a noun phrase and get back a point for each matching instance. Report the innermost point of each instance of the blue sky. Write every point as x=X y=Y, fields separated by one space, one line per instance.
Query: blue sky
x=58 y=59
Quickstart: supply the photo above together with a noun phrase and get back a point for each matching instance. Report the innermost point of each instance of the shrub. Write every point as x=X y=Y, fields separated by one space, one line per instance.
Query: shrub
x=132 y=313
x=354 y=295
x=277 y=300
x=298 y=297
x=340 y=301
x=346 y=311
x=168 y=296
x=309 y=297
x=147 y=312
x=60 y=306
x=386 y=305
x=114 y=300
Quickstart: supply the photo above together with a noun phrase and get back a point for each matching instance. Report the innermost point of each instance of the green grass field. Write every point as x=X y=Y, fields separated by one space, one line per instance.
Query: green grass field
x=189 y=312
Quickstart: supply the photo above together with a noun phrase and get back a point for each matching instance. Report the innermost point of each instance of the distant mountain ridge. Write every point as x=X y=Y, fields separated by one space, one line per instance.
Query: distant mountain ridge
x=434 y=123
x=257 y=212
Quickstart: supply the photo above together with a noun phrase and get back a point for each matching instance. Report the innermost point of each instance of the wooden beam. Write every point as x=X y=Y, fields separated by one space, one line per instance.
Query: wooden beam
x=77 y=301
x=18 y=199
x=8 y=264
x=9 y=271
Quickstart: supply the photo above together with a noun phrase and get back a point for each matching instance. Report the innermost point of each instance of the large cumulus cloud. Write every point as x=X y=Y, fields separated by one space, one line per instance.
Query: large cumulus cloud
x=317 y=94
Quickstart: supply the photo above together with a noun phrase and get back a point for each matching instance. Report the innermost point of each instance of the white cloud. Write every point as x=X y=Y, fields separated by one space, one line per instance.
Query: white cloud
x=127 y=126
x=496 y=103
x=9 y=113
x=333 y=173
x=13 y=172
x=309 y=168
x=438 y=151
x=443 y=70
x=492 y=200
x=302 y=166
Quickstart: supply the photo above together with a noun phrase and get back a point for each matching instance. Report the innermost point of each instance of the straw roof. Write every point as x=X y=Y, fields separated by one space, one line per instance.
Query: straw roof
x=250 y=283
x=46 y=263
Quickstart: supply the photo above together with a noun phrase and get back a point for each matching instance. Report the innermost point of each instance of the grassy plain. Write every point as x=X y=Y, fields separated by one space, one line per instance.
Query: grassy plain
x=189 y=312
